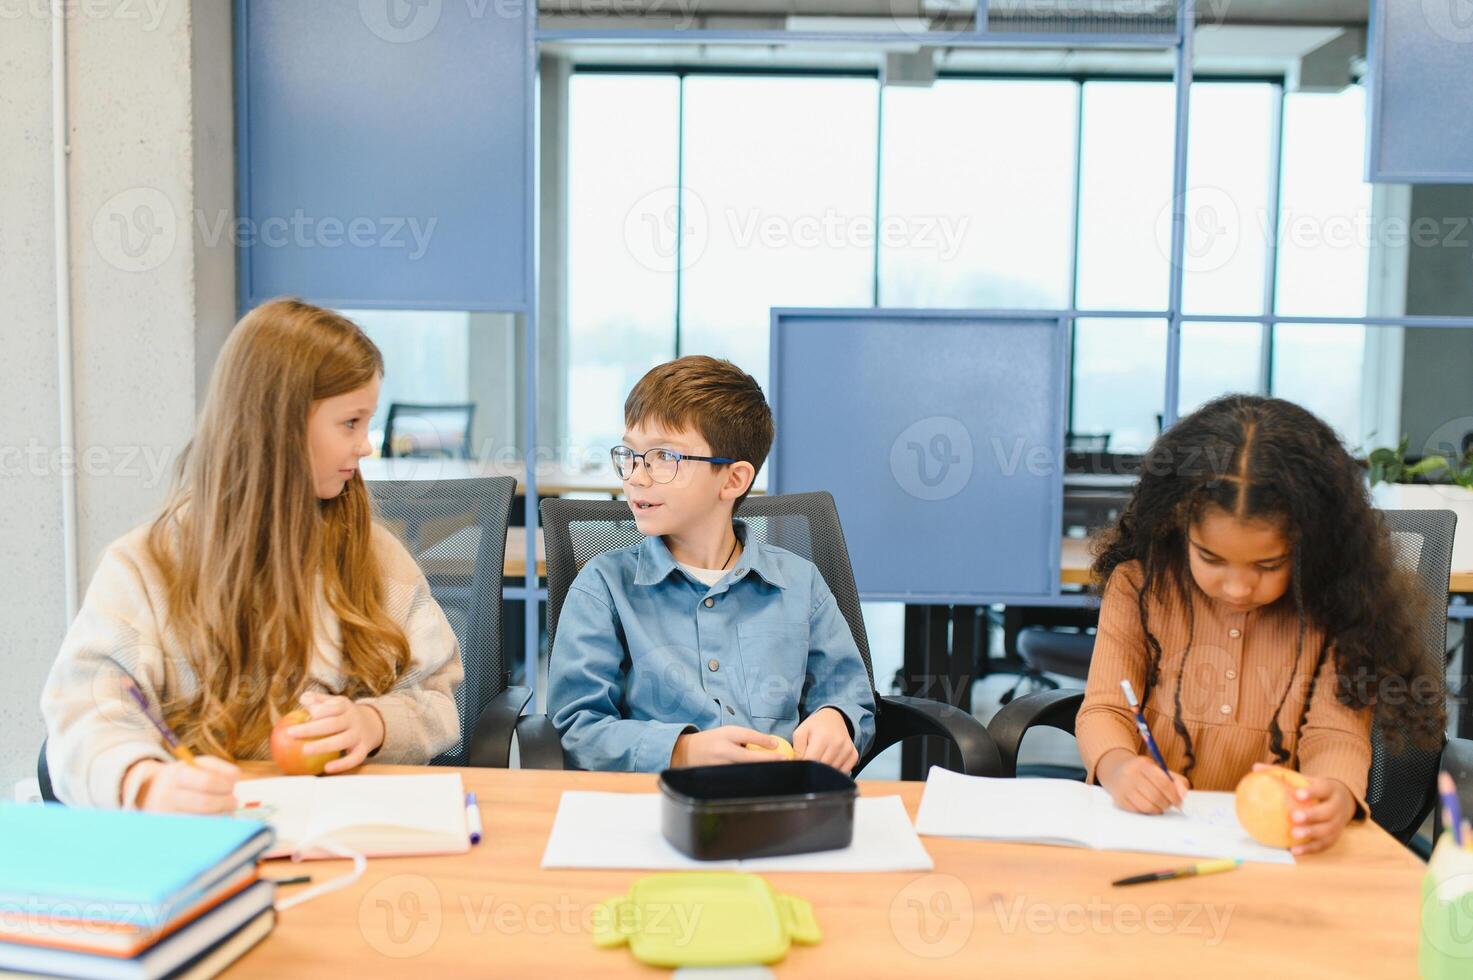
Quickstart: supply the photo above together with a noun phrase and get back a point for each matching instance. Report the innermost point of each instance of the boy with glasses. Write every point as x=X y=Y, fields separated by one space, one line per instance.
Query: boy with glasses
x=698 y=644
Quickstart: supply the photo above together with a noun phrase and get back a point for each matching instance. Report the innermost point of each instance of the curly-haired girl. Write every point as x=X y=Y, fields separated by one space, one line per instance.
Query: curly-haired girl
x=1252 y=596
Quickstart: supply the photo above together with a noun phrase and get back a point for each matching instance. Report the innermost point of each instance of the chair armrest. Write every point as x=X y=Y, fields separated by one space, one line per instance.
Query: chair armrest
x=43 y=776
x=1457 y=762
x=1051 y=709
x=900 y=718
x=490 y=741
x=538 y=744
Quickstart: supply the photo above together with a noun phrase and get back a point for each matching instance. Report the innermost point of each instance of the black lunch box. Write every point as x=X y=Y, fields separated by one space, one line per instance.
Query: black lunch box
x=756 y=809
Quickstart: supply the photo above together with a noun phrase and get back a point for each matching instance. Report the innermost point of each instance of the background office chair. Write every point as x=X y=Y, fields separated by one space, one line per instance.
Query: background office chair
x=426 y=431
x=1403 y=786
x=456 y=530
x=808 y=525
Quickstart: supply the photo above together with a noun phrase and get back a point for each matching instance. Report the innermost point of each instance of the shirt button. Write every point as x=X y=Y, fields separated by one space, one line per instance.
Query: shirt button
x=1235 y=632
x=713 y=663
x=1231 y=674
x=1226 y=709
x=709 y=603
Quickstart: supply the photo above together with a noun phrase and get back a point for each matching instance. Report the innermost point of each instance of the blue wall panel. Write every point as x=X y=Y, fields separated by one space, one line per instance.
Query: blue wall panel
x=1421 y=75
x=384 y=152
x=940 y=435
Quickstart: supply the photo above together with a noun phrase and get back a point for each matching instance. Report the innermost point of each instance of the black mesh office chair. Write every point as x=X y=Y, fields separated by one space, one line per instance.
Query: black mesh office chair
x=456 y=529
x=424 y=431
x=808 y=525
x=1403 y=786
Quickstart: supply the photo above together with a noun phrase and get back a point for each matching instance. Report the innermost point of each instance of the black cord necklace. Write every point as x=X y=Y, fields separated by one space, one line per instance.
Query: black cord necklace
x=731 y=553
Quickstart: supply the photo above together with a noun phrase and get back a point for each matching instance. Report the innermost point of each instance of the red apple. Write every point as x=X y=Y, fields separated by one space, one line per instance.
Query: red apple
x=287 y=751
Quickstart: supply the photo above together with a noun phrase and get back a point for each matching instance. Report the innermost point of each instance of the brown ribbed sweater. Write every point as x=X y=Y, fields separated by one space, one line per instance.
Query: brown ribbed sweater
x=1236 y=673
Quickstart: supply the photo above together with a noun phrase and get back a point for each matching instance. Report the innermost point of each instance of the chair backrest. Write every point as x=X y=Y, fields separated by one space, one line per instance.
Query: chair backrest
x=456 y=531
x=428 y=431
x=1402 y=785
x=806 y=524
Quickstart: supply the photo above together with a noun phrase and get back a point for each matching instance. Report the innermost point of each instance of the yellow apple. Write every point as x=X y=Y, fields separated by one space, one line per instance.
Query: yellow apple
x=784 y=748
x=1264 y=800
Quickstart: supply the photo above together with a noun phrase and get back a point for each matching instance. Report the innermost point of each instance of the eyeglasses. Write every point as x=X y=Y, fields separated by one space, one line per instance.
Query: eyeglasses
x=661 y=464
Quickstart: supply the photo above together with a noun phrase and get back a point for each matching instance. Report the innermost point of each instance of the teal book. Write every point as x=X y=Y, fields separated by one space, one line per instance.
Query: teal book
x=118 y=865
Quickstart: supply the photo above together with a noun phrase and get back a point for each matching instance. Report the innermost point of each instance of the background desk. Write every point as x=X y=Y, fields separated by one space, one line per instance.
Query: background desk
x=988 y=909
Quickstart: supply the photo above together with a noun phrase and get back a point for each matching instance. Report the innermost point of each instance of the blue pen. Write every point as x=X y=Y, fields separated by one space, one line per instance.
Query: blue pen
x=1140 y=722
x=473 y=817
x=1451 y=813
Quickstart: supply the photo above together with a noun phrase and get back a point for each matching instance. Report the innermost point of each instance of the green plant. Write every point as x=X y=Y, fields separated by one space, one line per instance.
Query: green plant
x=1390 y=466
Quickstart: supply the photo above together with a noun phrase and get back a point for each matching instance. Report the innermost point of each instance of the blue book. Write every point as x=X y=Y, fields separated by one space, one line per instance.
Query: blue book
x=200 y=950
x=117 y=865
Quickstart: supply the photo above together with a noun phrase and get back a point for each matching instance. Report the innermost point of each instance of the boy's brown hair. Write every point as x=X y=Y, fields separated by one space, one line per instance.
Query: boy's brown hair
x=712 y=396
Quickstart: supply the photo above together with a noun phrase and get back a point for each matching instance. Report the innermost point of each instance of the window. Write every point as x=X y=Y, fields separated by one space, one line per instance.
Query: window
x=1324 y=253
x=828 y=190
x=976 y=194
x=622 y=246
x=426 y=359
x=779 y=180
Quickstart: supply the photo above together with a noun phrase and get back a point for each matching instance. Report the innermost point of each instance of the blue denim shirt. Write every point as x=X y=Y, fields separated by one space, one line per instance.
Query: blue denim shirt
x=645 y=653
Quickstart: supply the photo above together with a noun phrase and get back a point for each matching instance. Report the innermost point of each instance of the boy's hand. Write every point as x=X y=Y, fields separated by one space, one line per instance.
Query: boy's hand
x=1137 y=784
x=824 y=737
x=1320 y=812
x=207 y=786
x=339 y=724
x=721 y=746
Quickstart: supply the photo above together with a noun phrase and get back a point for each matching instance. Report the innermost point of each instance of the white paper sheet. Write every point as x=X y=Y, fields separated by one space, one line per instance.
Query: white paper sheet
x=622 y=830
x=1061 y=811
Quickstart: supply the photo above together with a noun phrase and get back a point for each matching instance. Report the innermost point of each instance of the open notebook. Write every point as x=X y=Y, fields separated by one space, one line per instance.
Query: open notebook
x=377 y=816
x=1061 y=811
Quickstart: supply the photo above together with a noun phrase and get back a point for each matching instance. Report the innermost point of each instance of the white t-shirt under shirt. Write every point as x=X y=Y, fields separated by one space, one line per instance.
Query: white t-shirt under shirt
x=708 y=576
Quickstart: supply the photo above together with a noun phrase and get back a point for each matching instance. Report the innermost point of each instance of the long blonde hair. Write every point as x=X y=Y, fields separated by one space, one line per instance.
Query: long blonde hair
x=243 y=537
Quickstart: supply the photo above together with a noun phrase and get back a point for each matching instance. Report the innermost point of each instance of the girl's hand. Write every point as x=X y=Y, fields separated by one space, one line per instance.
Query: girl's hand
x=824 y=737
x=1138 y=785
x=339 y=725
x=1320 y=812
x=206 y=786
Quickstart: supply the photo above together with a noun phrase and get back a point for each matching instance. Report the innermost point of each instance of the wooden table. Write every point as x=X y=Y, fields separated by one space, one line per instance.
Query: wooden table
x=988 y=909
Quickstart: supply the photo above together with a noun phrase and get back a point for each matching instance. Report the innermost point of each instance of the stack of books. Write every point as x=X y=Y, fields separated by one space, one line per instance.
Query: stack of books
x=118 y=894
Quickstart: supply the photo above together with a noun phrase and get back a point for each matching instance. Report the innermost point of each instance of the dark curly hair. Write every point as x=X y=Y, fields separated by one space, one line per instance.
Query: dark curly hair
x=1269 y=459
